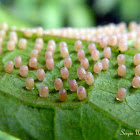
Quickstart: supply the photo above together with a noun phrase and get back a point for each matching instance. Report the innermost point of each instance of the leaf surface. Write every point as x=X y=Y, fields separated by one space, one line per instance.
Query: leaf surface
x=25 y=115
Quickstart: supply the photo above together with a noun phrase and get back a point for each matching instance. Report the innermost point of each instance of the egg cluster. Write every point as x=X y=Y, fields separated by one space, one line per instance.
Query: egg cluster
x=108 y=37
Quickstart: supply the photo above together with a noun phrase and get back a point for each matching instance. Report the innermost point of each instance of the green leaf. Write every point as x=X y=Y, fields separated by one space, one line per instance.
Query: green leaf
x=6 y=16
x=27 y=116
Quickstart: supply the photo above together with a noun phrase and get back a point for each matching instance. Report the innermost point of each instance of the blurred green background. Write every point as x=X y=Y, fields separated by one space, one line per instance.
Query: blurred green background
x=65 y=13
x=75 y=13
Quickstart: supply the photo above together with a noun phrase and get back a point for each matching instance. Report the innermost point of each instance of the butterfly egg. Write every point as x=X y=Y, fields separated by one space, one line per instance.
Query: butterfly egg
x=97 y=67
x=81 y=73
x=64 y=52
x=89 y=78
x=132 y=25
x=84 y=63
x=38 y=47
x=34 y=53
x=48 y=54
x=107 y=52
x=112 y=41
x=2 y=34
x=39 y=31
x=105 y=63
x=91 y=47
x=40 y=74
x=78 y=45
x=131 y=35
x=44 y=91
x=13 y=36
x=64 y=73
x=68 y=62
x=136 y=82
x=50 y=63
x=137 y=70
x=28 y=33
x=58 y=84
x=24 y=71
x=9 y=67
x=81 y=54
x=33 y=62
x=81 y=93
x=62 y=95
x=137 y=43
x=73 y=85
x=62 y=44
x=18 y=61
x=22 y=43
x=51 y=48
x=52 y=43
x=103 y=42
x=95 y=55
x=39 y=41
x=136 y=59
x=4 y=26
x=121 y=70
x=29 y=83
x=123 y=46
x=11 y=45
x=121 y=59
x=121 y=94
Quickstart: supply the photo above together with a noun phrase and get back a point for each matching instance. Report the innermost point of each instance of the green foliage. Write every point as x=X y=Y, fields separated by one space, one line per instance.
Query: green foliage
x=25 y=115
x=54 y=14
x=6 y=16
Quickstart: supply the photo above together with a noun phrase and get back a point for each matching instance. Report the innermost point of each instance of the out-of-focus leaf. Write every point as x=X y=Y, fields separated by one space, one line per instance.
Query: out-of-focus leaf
x=6 y=16
x=51 y=14
x=104 y=6
x=5 y=136
x=130 y=9
x=80 y=16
